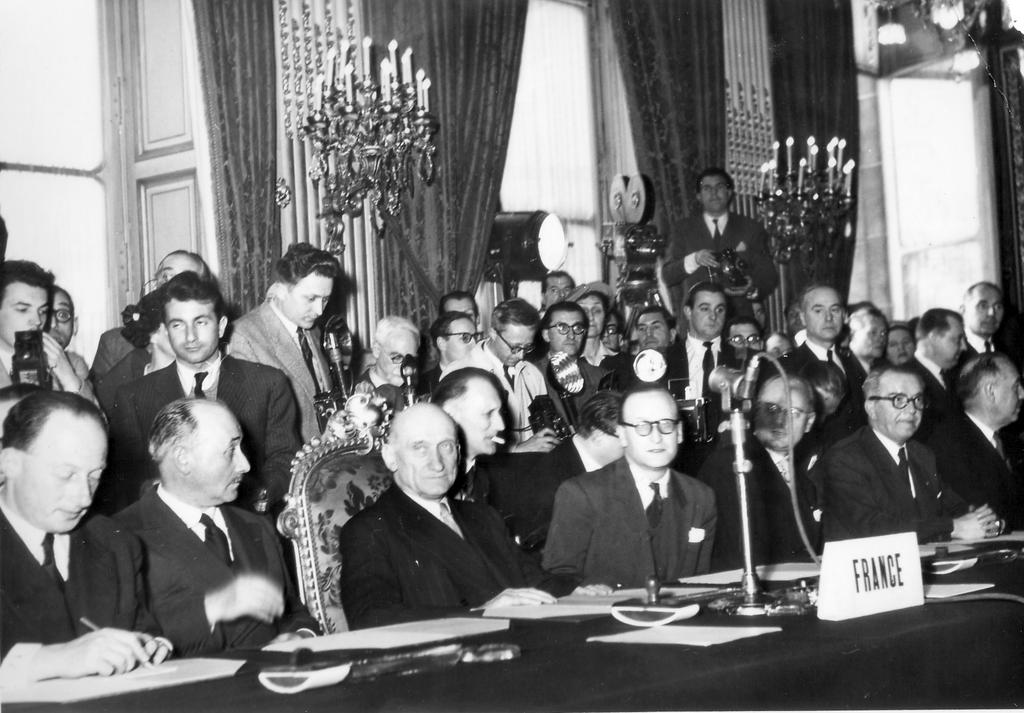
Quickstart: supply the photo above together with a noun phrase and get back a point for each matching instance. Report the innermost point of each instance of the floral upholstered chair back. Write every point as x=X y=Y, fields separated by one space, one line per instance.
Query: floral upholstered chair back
x=333 y=478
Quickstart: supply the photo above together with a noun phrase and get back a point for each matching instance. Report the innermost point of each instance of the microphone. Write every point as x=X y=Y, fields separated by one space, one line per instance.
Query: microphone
x=410 y=375
x=745 y=390
x=724 y=380
x=337 y=345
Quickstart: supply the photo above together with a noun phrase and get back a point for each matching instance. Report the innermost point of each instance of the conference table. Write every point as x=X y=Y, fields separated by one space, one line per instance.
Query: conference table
x=966 y=654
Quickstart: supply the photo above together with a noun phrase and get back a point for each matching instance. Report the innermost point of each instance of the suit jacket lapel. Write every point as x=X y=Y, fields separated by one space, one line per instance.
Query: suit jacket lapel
x=626 y=504
x=246 y=542
x=92 y=572
x=288 y=352
x=430 y=534
x=163 y=531
x=892 y=478
x=230 y=386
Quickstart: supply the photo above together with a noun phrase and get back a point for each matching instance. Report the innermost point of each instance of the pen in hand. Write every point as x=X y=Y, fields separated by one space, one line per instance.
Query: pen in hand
x=92 y=626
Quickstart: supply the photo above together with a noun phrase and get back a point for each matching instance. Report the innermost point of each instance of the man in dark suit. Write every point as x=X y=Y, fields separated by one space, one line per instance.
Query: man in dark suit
x=774 y=533
x=522 y=487
x=868 y=329
x=282 y=331
x=822 y=312
x=693 y=255
x=215 y=573
x=454 y=334
x=259 y=397
x=983 y=314
x=635 y=517
x=940 y=342
x=59 y=573
x=563 y=329
x=113 y=347
x=880 y=482
x=416 y=553
x=976 y=458
x=655 y=329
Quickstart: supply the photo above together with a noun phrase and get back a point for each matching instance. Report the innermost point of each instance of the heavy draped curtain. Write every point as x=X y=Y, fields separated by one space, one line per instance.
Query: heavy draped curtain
x=814 y=83
x=236 y=63
x=674 y=70
x=470 y=50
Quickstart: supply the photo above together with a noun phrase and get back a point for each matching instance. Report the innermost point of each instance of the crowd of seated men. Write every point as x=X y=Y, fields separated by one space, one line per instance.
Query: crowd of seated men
x=542 y=456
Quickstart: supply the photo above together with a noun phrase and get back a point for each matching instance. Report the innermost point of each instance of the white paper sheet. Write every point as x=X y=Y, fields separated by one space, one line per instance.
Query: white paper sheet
x=389 y=637
x=943 y=591
x=686 y=635
x=621 y=595
x=549 y=611
x=769 y=572
x=929 y=550
x=170 y=673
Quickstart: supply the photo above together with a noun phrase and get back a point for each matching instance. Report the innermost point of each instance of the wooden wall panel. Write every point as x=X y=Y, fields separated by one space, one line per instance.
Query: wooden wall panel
x=164 y=106
x=170 y=217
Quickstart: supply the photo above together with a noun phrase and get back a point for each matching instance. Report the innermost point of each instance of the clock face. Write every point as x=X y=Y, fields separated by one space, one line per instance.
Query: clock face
x=649 y=365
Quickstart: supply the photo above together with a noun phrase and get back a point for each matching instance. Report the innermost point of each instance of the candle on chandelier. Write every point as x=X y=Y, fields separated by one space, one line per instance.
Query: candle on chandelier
x=318 y=91
x=426 y=95
x=349 y=69
x=393 y=54
x=420 y=74
x=832 y=148
x=810 y=148
x=789 y=155
x=814 y=159
x=775 y=150
x=831 y=172
x=345 y=45
x=800 y=176
x=367 y=44
x=839 y=156
x=848 y=176
x=332 y=57
x=407 y=66
x=385 y=79
x=764 y=177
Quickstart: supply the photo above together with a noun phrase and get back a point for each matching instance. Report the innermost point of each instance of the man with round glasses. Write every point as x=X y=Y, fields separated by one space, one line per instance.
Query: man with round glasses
x=503 y=353
x=564 y=329
x=454 y=335
x=742 y=337
x=636 y=517
x=775 y=536
x=880 y=482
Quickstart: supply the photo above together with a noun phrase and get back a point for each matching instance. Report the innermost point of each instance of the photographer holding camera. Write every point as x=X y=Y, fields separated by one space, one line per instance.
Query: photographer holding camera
x=720 y=246
x=27 y=353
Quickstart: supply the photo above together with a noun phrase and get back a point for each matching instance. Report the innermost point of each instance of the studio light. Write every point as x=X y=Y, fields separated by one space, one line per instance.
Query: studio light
x=525 y=246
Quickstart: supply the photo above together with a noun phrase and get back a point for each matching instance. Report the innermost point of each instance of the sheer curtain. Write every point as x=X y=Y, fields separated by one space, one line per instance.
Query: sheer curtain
x=552 y=157
x=471 y=52
x=236 y=61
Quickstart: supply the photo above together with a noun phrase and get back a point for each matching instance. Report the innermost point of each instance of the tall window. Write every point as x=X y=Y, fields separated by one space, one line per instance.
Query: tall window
x=939 y=190
x=51 y=148
x=552 y=155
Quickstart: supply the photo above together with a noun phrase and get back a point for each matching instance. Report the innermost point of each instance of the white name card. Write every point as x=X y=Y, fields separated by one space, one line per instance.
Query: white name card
x=869 y=575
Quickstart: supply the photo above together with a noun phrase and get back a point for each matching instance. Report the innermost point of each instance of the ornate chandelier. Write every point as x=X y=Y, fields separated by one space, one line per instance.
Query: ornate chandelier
x=805 y=208
x=369 y=130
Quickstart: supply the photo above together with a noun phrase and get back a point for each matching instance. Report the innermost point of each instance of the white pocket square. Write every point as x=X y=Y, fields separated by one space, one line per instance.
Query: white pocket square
x=696 y=534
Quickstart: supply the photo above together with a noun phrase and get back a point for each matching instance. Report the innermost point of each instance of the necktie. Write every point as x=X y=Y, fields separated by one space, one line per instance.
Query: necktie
x=904 y=466
x=49 y=563
x=448 y=519
x=510 y=374
x=707 y=366
x=718 y=233
x=198 y=391
x=829 y=358
x=998 y=443
x=988 y=346
x=654 y=509
x=307 y=355
x=948 y=383
x=216 y=540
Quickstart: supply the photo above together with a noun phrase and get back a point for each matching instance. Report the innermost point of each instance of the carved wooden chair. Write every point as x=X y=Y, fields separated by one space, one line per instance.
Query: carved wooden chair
x=333 y=477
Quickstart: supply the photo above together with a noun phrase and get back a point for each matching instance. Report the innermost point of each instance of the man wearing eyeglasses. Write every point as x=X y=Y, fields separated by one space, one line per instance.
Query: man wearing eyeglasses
x=394 y=340
x=24 y=306
x=742 y=338
x=64 y=326
x=775 y=536
x=636 y=517
x=880 y=482
x=564 y=329
x=503 y=353
x=454 y=335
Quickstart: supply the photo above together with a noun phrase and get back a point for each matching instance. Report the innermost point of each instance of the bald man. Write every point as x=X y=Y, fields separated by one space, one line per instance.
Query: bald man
x=417 y=554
